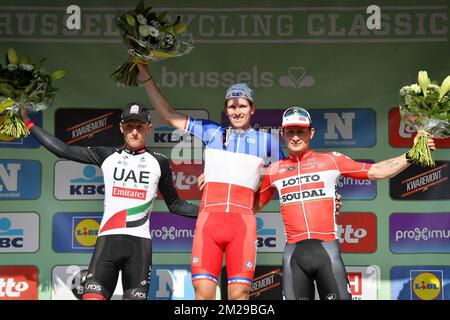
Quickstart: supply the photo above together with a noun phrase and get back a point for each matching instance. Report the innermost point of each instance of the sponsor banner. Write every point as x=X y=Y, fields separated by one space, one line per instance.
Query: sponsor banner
x=266 y=283
x=344 y=128
x=19 y=283
x=271 y=234
x=68 y=283
x=357 y=232
x=402 y=135
x=89 y=127
x=75 y=232
x=420 y=183
x=20 y=179
x=165 y=136
x=419 y=232
x=420 y=283
x=364 y=282
x=171 y=232
x=357 y=189
x=19 y=232
x=185 y=177
x=77 y=181
x=336 y=23
x=171 y=283
x=27 y=142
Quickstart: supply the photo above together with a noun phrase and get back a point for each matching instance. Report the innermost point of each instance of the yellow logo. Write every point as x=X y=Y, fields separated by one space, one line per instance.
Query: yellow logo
x=86 y=232
x=427 y=286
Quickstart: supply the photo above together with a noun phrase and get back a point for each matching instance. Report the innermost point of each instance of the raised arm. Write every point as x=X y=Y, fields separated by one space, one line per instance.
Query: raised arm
x=391 y=167
x=59 y=148
x=162 y=106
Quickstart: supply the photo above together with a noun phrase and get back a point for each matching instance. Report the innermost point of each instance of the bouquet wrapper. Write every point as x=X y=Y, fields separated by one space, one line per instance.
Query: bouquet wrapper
x=13 y=125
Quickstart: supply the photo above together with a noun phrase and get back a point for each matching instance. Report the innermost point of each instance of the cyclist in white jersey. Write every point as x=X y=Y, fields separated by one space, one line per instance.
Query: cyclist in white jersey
x=132 y=175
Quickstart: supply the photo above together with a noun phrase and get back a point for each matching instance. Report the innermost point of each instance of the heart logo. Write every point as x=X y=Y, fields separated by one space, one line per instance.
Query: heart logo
x=296 y=74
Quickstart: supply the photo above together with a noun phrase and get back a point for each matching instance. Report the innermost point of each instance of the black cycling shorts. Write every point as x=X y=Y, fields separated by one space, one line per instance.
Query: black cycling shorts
x=314 y=260
x=113 y=253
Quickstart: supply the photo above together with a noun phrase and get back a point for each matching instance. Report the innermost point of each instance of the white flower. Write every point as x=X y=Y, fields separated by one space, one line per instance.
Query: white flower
x=154 y=32
x=141 y=19
x=416 y=88
x=155 y=24
x=144 y=31
x=11 y=67
x=424 y=81
x=27 y=67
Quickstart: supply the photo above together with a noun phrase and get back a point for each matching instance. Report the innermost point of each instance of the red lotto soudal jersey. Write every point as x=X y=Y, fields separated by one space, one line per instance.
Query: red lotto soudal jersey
x=306 y=188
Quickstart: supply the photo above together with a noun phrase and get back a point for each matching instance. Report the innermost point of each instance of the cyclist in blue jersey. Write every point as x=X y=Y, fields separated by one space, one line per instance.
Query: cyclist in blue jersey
x=234 y=158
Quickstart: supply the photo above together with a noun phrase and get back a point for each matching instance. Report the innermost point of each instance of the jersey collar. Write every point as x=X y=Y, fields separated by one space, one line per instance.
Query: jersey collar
x=300 y=157
x=135 y=151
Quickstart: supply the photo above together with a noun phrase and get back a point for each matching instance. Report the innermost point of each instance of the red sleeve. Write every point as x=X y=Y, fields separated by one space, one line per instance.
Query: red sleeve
x=266 y=190
x=349 y=167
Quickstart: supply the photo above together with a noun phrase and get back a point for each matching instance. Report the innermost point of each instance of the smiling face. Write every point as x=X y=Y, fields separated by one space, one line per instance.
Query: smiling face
x=297 y=138
x=239 y=111
x=135 y=133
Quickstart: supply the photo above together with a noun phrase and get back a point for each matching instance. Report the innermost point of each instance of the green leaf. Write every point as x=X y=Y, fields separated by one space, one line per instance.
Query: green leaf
x=12 y=56
x=25 y=59
x=162 y=17
x=130 y=20
x=58 y=74
x=180 y=28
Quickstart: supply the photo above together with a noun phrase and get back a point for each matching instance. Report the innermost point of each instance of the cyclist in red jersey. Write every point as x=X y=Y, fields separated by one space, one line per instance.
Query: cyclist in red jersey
x=234 y=159
x=305 y=182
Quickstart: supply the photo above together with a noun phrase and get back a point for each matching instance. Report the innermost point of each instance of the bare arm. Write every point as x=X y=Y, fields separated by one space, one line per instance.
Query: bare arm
x=162 y=106
x=391 y=167
x=388 y=168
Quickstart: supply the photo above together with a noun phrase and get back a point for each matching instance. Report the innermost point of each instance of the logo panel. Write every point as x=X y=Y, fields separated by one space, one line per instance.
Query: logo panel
x=419 y=232
x=76 y=181
x=357 y=232
x=171 y=283
x=19 y=283
x=266 y=284
x=344 y=128
x=420 y=283
x=164 y=136
x=271 y=234
x=364 y=282
x=402 y=135
x=75 y=232
x=185 y=177
x=20 y=179
x=420 y=183
x=171 y=232
x=89 y=126
x=19 y=232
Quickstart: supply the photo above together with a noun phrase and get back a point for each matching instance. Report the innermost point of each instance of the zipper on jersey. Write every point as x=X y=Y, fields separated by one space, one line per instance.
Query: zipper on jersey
x=303 y=204
x=229 y=185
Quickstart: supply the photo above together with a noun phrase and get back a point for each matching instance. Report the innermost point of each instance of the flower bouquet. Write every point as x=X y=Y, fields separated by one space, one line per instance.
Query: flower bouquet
x=426 y=107
x=148 y=37
x=25 y=85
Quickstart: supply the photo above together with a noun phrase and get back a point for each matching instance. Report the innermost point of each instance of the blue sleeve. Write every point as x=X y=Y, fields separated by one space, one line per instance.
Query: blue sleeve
x=202 y=128
x=274 y=149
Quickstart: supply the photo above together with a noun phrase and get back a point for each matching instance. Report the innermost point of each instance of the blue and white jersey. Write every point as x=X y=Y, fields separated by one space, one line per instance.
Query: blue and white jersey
x=234 y=160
